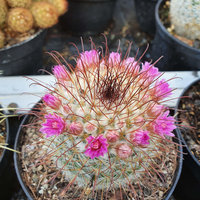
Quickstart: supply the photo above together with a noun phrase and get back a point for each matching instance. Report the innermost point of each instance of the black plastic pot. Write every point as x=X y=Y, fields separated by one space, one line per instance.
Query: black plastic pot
x=4 y=156
x=19 y=142
x=189 y=185
x=88 y=17
x=175 y=53
x=145 y=13
x=24 y=58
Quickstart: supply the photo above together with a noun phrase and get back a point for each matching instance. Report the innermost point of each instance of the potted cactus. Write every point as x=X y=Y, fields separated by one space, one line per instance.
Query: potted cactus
x=93 y=17
x=22 y=32
x=100 y=132
x=177 y=36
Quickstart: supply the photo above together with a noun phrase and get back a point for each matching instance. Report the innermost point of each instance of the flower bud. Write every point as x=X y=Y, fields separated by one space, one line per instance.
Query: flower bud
x=52 y=101
x=75 y=128
x=112 y=136
x=123 y=150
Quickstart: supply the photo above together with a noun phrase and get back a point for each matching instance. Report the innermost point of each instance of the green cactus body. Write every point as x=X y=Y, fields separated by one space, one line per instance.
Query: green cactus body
x=19 y=3
x=185 y=16
x=2 y=39
x=105 y=124
x=3 y=12
x=20 y=20
x=45 y=14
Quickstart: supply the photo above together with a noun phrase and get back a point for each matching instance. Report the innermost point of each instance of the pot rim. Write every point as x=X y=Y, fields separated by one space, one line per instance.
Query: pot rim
x=28 y=192
x=176 y=112
x=158 y=22
x=7 y=135
x=23 y=42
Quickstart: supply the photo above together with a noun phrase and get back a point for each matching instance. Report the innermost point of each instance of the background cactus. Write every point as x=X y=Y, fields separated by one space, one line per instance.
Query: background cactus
x=105 y=127
x=19 y=3
x=2 y=39
x=3 y=12
x=185 y=16
x=26 y=16
x=45 y=14
x=20 y=20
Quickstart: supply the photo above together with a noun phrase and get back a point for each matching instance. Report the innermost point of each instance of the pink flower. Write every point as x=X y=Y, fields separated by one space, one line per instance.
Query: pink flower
x=149 y=72
x=114 y=59
x=140 y=138
x=164 y=125
x=96 y=146
x=161 y=90
x=155 y=109
x=76 y=128
x=60 y=72
x=131 y=65
x=52 y=101
x=54 y=125
x=112 y=136
x=123 y=150
x=88 y=59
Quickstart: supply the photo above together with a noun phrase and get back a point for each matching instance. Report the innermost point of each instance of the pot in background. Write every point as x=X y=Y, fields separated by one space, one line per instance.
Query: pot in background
x=145 y=13
x=189 y=184
x=175 y=52
x=24 y=58
x=88 y=17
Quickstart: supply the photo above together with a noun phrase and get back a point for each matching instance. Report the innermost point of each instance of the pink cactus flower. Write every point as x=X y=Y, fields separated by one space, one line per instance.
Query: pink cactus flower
x=164 y=125
x=123 y=150
x=114 y=59
x=96 y=146
x=52 y=101
x=161 y=90
x=75 y=128
x=60 y=72
x=140 y=138
x=54 y=125
x=155 y=109
x=131 y=65
x=112 y=136
x=149 y=72
x=88 y=59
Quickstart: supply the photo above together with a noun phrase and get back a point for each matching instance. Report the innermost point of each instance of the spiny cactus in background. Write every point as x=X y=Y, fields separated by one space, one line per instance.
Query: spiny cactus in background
x=185 y=16
x=22 y=16
x=60 y=5
x=105 y=126
x=3 y=12
x=20 y=19
x=19 y=3
x=45 y=14
x=2 y=39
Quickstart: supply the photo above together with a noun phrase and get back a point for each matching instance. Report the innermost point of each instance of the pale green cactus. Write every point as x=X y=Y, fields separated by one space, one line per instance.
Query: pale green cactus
x=185 y=17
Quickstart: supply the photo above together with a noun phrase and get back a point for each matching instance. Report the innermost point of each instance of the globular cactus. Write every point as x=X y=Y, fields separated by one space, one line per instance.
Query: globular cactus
x=45 y=14
x=60 y=5
x=185 y=16
x=19 y=3
x=2 y=39
x=3 y=12
x=105 y=126
x=20 y=19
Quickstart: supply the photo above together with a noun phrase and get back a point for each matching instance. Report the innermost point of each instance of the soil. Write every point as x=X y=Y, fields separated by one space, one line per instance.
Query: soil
x=190 y=118
x=2 y=135
x=37 y=175
x=165 y=18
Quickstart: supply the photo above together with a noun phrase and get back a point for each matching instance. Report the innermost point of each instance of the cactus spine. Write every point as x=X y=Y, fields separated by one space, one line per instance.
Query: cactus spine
x=185 y=16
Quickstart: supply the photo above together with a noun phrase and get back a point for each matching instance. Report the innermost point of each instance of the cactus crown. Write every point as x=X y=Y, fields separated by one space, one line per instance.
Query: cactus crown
x=104 y=124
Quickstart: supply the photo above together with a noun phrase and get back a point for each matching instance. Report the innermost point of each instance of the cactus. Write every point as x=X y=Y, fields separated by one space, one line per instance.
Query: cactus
x=19 y=3
x=2 y=39
x=104 y=125
x=3 y=12
x=185 y=16
x=20 y=19
x=45 y=14
x=60 y=5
